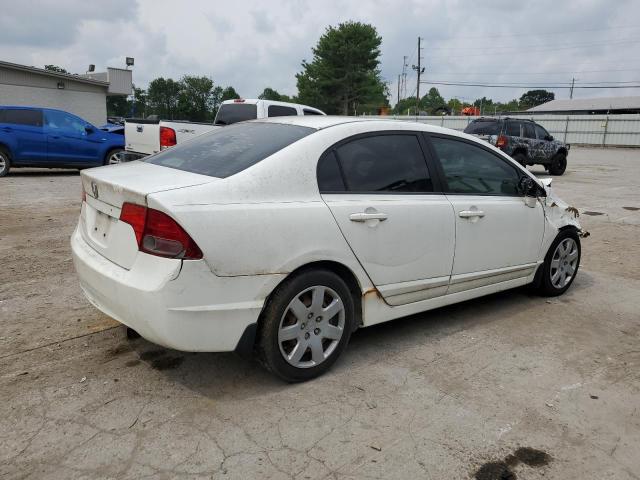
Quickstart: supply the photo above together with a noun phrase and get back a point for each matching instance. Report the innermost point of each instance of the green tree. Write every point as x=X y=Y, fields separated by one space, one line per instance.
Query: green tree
x=229 y=93
x=271 y=94
x=344 y=75
x=55 y=68
x=432 y=100
x=533 y=98
x=117 y=106
x=195 y=100
x=163 y=96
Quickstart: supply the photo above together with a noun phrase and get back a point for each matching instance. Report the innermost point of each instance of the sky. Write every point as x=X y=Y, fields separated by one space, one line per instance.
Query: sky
x=251 y=44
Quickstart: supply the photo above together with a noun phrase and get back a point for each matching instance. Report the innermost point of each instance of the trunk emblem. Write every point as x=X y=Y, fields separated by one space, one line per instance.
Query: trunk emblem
x=94 y=189
x=139 y=128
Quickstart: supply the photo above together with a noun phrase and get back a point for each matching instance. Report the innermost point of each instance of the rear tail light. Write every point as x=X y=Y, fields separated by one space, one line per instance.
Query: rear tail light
x=502 y=141
x=159 y=234
x=167 y=137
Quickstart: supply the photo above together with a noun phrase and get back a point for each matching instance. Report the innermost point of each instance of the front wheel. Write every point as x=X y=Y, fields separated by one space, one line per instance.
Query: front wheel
x=5 y=162
x=306 y=325
x=561 y=264
x=558 y=164
x=113 y=156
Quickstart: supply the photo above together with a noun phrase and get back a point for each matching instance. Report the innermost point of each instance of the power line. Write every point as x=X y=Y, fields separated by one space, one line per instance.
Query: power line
x=564 y=32
x=582 y=72
x=487 y=85
x=525 y=84
x=553 y=45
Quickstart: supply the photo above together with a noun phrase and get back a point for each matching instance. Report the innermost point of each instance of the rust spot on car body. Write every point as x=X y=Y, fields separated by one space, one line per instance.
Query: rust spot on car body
x=373 y=291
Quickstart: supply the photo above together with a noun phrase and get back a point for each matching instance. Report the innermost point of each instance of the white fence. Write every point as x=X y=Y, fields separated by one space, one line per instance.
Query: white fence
x=599 y=130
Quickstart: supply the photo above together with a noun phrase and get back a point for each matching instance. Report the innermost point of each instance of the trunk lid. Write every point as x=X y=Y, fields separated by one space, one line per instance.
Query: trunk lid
x=107 y=188
x=142 y=136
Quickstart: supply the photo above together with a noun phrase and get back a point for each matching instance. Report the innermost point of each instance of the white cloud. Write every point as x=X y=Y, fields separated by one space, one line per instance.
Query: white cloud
x=251 y=44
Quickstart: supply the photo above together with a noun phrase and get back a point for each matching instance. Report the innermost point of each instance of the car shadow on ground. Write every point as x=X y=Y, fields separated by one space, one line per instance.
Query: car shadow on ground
x=227 y=375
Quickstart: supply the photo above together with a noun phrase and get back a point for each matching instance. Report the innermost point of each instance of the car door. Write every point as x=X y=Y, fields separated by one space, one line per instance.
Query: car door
x=395 y=219
x=545 y=146
x=498 y=237
x=69 y=141
x=533 y=144
x=24 y=125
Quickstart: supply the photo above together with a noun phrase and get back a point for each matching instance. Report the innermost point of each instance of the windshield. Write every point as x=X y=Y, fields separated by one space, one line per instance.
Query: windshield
x=229 y=150
x=483 y=127
x=236 y=112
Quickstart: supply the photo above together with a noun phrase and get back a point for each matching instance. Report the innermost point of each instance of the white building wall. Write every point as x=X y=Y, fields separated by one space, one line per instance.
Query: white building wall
x=91 y=106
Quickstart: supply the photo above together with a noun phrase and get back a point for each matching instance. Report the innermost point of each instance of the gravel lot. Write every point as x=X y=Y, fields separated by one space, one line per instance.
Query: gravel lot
x=455 y=393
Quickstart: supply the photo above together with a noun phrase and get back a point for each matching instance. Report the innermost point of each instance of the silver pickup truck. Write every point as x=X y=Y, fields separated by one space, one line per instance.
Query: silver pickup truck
x=144 y=137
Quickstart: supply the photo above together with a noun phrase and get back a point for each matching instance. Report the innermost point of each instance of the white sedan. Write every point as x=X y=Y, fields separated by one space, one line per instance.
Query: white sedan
x=283 y=236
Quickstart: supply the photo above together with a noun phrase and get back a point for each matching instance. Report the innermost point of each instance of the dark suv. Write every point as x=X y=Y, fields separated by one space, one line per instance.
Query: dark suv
x=524 y=140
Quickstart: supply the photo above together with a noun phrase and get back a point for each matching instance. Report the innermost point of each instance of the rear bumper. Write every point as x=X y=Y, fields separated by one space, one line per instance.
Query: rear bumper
x=174 y=303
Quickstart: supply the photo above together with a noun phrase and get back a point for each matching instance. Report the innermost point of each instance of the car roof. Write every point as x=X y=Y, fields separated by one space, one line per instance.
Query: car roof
x=320 y=122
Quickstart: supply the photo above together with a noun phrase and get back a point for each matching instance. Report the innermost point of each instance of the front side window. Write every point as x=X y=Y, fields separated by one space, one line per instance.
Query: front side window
x=19 y=116
x=541 y=133
x=381 y=163
x=64 y=121
x=229 y=150
x=280 y=111
x=472 y=170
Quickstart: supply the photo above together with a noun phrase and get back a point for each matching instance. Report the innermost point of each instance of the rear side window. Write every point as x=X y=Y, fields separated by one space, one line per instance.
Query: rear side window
x=236 y=112
x=280 y=111
x=472 y=170
x=306 y=111
x=483 y=127
x=229 y=150
x=528 y=131
x=329 y=176
x=381 y=163
x=513 y=129
x=32 y=118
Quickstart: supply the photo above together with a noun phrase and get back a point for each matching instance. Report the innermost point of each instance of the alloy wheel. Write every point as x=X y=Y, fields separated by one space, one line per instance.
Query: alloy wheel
x=311 y=327
x=114 y=158
x=564 y=263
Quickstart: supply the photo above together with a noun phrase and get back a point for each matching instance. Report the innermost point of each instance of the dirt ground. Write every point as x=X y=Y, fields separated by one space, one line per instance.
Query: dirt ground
x=511 y=384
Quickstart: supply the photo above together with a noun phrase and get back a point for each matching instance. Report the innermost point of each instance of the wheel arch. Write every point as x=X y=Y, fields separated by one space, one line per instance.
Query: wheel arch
x=521 y=150
x=248 y=340
x=563 y=151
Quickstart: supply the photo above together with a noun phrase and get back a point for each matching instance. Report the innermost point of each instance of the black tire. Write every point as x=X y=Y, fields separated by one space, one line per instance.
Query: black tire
x=269 y=350
x=5 y=162
x=109 y=154
x=547 y=287
x=558 y=164
x=521 y=158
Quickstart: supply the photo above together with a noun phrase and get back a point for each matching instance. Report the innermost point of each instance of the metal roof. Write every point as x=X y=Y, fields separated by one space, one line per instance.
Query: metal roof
x=42 y=71
x=584 y=104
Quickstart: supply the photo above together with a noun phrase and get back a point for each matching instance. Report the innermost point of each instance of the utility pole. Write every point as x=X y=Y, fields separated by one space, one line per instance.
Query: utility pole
x=420 y=70
x=404 y=76
x=573 y=81
x=398 y=89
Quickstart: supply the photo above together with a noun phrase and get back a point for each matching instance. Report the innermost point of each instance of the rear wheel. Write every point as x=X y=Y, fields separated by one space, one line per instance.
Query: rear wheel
x=561 y=264
x=5 y=162
x=558 y=164
x=521 y=158
x=306 y=325
x=113 y=156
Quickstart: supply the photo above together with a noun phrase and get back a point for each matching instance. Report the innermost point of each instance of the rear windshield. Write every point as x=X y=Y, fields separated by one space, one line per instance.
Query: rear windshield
x=483 y=127
x=229 y=150
x=236 y=112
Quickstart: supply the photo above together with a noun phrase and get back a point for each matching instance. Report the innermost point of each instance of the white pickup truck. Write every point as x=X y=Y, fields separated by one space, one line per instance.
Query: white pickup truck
x=144 y=137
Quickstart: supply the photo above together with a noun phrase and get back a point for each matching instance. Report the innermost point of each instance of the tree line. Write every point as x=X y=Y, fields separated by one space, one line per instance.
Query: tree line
x=343 y=77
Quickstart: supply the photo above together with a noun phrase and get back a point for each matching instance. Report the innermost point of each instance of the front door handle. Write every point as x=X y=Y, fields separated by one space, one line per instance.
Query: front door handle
x=471 y=213
x=363 y=216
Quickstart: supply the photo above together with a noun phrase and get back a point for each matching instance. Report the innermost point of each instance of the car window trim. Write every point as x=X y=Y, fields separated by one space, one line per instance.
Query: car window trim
x=443 y=178
x=543 y=129
x=435 y=181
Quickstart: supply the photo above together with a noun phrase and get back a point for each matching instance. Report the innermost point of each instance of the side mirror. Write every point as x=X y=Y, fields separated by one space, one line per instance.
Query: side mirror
x=89 y=129
x=549 y=138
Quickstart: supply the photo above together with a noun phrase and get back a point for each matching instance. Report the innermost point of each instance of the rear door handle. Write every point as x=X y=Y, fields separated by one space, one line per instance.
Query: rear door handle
x=363 y=217
x=7 y=129
x=55 y=136
x=471 y=213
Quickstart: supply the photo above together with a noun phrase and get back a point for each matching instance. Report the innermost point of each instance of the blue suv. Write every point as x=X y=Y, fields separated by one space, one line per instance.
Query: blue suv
x=43 y=137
